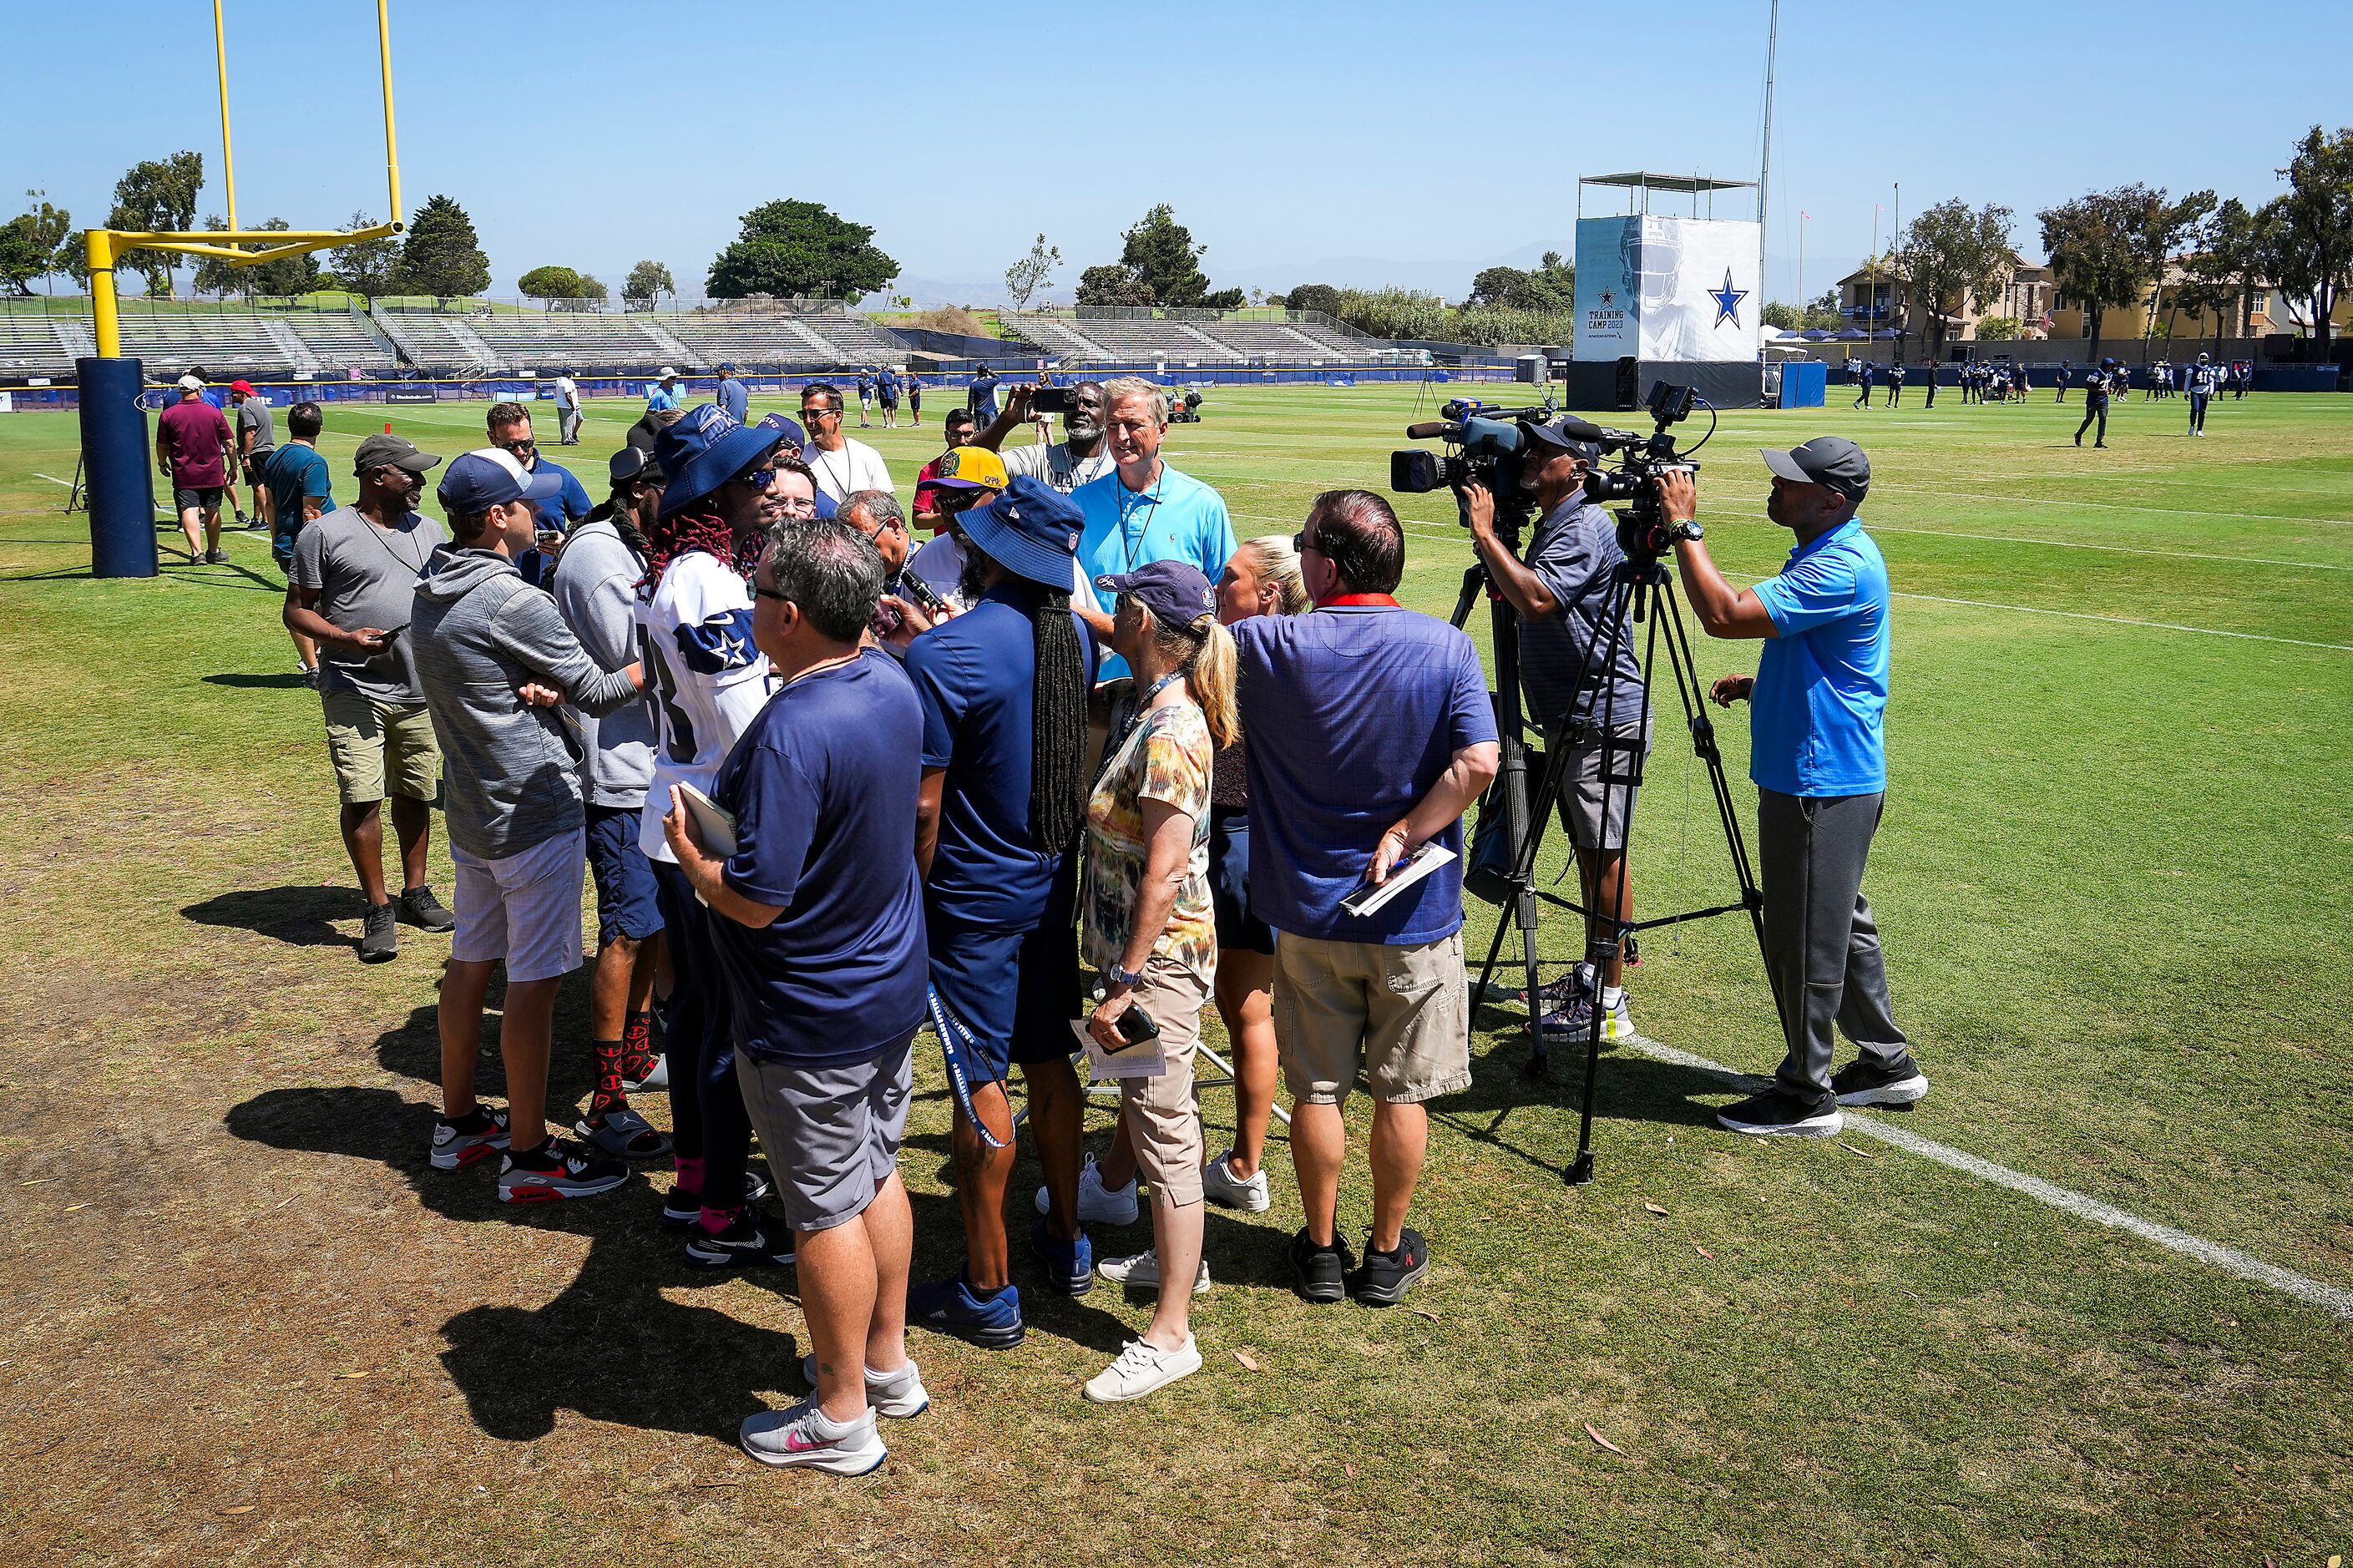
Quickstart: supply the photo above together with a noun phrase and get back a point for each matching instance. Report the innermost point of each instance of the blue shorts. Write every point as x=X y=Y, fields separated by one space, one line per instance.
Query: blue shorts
x=1015 y=991
x=625 y=878
x=1229 y=883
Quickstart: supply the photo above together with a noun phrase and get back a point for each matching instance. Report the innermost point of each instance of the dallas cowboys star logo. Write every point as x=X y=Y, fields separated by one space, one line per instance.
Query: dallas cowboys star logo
x=1728 y=301
x=1609 y=297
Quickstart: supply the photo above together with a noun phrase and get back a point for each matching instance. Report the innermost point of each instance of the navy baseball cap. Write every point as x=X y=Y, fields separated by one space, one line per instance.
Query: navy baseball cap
x=1175 y=592
x=1831 y=460
x=1551 y=431
x=479 y=480
x=704 y=451
x=784 y=424
x=632 y=463
x=1032 y=530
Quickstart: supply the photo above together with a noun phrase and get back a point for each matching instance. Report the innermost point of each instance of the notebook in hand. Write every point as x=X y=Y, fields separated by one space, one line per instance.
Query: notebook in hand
x=714 y=825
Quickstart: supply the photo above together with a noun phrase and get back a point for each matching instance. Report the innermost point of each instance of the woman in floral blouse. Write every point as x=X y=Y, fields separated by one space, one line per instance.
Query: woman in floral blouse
x=1150 y=930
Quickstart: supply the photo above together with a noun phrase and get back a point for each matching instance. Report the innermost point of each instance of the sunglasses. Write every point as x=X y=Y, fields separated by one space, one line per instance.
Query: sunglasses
x=525 y=445
x=758 y=479
x=1301 y=543
x=777 y=594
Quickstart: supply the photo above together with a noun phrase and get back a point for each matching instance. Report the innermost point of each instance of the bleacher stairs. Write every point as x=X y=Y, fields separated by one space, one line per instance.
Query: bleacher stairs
x=79 y=343
x=672 y=350
x=298 y=353
x=485 y=358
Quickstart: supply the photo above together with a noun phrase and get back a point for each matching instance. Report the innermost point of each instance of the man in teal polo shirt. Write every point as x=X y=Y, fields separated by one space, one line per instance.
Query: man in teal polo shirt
x=1145 y=510
x=1818 y=756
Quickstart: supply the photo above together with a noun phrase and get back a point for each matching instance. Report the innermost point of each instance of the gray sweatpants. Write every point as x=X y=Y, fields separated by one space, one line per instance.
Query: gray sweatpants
x=1819 y=940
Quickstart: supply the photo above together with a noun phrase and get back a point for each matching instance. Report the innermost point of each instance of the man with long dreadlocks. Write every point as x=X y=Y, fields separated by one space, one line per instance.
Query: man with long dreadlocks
x=1004 y=690
x=708 y=682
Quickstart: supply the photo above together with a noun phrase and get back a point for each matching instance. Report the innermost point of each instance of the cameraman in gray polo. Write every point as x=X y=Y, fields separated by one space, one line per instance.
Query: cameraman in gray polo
x=1569 y=669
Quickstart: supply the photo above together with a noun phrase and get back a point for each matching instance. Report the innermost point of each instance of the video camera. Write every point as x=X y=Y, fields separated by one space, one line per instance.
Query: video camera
x=1642 y=530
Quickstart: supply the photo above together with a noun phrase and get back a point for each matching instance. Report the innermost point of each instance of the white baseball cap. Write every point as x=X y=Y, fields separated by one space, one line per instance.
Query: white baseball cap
x=190 y=384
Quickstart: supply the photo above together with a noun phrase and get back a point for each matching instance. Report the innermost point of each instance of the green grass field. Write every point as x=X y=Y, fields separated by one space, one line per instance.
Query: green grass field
x=246 y=1322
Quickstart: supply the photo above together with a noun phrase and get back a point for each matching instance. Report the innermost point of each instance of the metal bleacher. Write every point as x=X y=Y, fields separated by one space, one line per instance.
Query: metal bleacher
x=31 y=345
x=758 y=339
x=550 y=341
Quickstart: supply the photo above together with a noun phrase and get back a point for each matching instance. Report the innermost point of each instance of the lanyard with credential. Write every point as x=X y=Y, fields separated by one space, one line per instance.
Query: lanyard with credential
x=955 y=1041
x=1147 y=502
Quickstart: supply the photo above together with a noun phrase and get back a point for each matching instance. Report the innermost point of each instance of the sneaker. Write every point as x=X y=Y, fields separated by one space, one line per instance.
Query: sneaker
x=379 y=936
x=420 y=908
x=1777 y=1113
x=683 y=1206
x=899 y=1394
x=309 y=673
x=1098 y=1204
x=1070 y=1266
x=1223 y=1188
x=557 y=1170
x=1140 y=1369
x=216 y=557
x=1141 y=1272
x=951 y=1306
x=1865 y=1082
x=1320 y=1271
x=747 y=1243
x=1574 y=1022
x=801 y=1438
x=1572 y=986
x=622 y=1133
x=458 y=1144
x=1385 y=1277
x=243 y=521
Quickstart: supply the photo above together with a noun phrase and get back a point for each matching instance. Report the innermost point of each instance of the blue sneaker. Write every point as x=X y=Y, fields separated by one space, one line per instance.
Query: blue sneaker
x=1070 y=1265
x=951 y=1306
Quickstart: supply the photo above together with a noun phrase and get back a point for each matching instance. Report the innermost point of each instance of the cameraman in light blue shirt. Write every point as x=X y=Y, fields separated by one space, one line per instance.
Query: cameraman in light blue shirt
x=1818 y=756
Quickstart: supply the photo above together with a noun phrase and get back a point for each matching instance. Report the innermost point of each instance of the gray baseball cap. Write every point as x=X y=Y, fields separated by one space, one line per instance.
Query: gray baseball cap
x=1831 y=460
x=385 y=450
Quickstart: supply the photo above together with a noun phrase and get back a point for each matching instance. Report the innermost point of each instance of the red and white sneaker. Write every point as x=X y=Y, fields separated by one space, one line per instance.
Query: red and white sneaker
x=458 y=1144
x=557 y=1170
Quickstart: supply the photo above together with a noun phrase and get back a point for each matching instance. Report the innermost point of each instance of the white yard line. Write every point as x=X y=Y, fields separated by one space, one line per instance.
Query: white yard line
x=2333 y=1298
x=2128 y=621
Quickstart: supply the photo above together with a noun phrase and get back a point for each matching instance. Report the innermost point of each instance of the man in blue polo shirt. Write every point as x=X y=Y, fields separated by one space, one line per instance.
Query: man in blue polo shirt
x=664 y=392
x=733 y=397
x=1145 y=510
x=1381 y=735
x=1004 y=690
x=1817 y=754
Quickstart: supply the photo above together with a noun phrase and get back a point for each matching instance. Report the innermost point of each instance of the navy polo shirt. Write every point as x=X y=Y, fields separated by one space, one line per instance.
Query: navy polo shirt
x=823 y=789
x=973 y=675
x=1354 y=712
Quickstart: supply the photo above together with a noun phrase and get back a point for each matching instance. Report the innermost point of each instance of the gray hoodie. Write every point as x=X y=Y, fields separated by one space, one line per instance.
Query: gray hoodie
x=510 y=772
x=595 y=589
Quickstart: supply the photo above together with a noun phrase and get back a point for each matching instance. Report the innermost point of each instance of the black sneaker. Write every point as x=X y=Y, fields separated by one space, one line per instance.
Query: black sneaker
x=1865 y=1082
x=420 y=908
x=557 y=1170
x=748 y=1243
x=1777 y=1113
x=216 y=557
x=1385 y=1277
x=682 y=1208
x=1321 y=1272
x=474 y=1136
x=379 y=937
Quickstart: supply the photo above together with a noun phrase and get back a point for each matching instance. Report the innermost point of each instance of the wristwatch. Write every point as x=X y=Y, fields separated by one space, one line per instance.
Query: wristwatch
x=1685 y=527
x=1130 y=978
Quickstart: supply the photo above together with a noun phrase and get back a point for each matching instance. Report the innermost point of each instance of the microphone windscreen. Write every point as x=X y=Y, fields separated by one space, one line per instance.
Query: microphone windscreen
x=1428 y=429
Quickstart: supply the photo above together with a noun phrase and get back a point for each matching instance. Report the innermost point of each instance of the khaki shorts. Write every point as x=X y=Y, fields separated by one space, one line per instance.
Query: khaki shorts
x=1401 y=1015
x=1164 y=1120
x=376 y=744
x=380 y=747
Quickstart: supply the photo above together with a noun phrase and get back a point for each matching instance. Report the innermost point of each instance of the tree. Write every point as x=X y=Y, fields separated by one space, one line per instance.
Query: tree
x=1032 y=273
x=441 y=256
x=1160 y=253
x=2098 y=249
x=1952 y=257
x=1112 y=284
x=366 y=269
x=799 y=249
x=287 y=275
x=2164 y=228
x=157 y=197
x=23 y=258
x=2000 y=329
x=1313 y=297
x=593 y=290
x=648 y=281
x=2313 y=242
x=1223 y=300
x=1780 y=313
x=550 y=283
x=52 y=230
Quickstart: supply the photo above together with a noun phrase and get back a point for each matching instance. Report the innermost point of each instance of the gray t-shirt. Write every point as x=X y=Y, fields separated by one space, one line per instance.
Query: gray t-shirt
x=254 y=414
x=1053 y=463
x=366 y=576
x=1574 y=552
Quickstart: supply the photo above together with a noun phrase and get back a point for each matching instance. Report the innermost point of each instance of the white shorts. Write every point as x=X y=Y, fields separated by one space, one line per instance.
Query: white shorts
x=522 y=908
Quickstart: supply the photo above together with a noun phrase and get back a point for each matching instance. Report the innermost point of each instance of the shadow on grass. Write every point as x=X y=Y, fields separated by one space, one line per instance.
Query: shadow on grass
x=297 y=914
x=280 y=682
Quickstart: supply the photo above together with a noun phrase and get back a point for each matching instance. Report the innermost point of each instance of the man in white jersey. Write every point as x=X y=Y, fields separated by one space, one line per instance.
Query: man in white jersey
x=708 y=682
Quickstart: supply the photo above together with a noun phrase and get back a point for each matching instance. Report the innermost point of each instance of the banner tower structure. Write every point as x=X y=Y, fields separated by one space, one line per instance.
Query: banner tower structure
x=122 y=494
x=1663 y=297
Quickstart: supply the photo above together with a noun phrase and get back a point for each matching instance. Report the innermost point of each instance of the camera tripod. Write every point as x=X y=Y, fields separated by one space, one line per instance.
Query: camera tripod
x=1640 y=589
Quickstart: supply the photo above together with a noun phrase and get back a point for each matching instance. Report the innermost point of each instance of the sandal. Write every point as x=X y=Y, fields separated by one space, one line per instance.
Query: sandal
x=622 y=1133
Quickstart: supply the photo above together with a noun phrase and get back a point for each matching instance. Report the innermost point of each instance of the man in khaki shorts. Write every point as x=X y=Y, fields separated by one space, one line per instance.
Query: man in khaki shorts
x=351 y=586
x=1385 y=719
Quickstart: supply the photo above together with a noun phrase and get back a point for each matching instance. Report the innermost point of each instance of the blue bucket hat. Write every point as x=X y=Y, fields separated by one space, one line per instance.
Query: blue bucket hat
x=704 y=451
x=1032 y=530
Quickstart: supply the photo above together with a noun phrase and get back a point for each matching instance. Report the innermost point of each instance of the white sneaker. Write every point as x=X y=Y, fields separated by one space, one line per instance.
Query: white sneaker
x=898 y=1394
x=802 y=1438
x=657 y=1077
x=1098 y=1204
x=1141 y=1272
x=1140 y=1369
x=1223 y=1188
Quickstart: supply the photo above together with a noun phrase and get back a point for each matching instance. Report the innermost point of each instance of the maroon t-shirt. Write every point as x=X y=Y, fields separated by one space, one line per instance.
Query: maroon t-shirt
x=196 y=438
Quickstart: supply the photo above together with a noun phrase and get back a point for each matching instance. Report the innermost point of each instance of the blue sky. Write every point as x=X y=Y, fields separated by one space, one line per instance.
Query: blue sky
x=1355 y=144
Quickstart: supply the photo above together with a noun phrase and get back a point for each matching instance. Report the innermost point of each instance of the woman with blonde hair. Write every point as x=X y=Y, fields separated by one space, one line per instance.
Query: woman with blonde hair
x=1148 y=926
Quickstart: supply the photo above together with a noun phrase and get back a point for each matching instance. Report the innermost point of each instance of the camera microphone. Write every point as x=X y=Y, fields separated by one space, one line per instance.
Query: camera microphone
x=1579 y=429
x=1431 y=429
